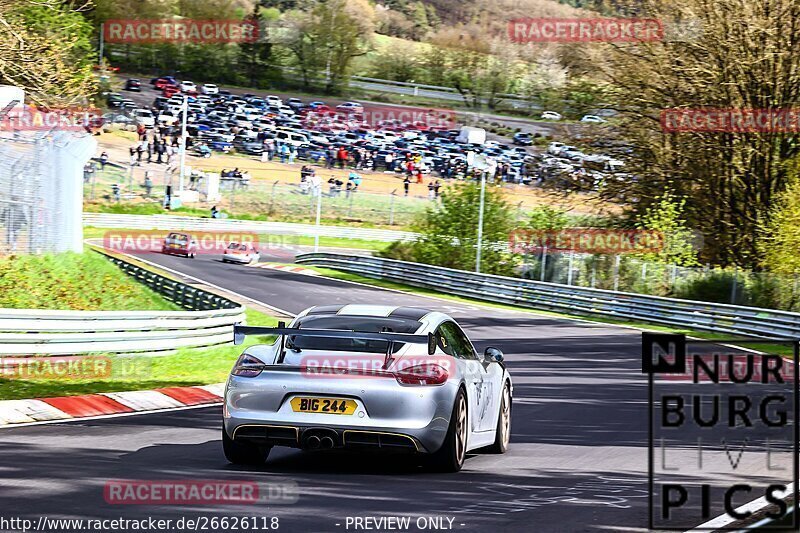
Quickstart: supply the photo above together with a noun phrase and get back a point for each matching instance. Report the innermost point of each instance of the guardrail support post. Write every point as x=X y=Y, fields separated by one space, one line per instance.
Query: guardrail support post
x=569 y=274
x=319 y=215
x=544 y=263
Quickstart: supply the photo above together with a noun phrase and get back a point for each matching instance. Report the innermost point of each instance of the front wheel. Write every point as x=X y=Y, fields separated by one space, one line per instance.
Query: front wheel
x=450 y=457
x=503 y=431
x=240 y=453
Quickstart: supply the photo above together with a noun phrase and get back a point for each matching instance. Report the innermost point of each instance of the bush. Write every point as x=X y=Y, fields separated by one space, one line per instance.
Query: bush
x=448 y=233
x=715 y=287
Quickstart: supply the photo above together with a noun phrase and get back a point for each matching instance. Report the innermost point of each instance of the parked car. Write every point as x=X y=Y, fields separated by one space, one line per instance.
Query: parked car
x=350 y=107
x=209 y=88
x=144 y=117
x=593 y=119
x=554 y=148
x=134 y=85
x=160 y=83
x=188 y=86
x=551 y=115
x=523 y=139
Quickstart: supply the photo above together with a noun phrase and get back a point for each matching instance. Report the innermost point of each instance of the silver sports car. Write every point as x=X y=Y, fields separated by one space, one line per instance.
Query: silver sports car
x=387 y=378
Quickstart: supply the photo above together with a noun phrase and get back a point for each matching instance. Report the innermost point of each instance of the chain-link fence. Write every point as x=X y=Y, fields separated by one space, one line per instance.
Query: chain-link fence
x=40 y=196
x=630 y=274
x=274 y=199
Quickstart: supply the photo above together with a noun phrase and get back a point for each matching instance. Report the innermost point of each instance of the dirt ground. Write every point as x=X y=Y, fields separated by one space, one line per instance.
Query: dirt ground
x=117 y=144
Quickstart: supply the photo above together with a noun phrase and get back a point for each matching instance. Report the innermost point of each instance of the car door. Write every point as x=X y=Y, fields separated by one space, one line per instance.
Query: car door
x=488 y=376
x=464 y=354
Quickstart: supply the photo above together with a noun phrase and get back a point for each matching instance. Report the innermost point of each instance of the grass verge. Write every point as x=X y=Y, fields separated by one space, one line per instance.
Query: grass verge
x=184 y=368
x=72 y=281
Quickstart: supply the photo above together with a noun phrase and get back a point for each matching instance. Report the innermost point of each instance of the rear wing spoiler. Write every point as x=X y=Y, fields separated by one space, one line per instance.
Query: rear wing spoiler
x=240 y=332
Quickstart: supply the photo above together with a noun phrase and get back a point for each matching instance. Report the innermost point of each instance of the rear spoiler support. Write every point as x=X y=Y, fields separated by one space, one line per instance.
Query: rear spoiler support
x=240 y=332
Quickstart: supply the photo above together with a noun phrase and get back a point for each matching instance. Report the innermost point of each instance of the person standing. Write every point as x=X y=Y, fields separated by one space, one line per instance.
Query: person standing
x=431 y=193
x=436 y=186
x=103 y=160
x=406 y=184
x=14 y=219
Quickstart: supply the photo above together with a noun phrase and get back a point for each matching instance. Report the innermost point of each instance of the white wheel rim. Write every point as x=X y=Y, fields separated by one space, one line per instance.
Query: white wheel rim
x=461 y=430
x=505 y=427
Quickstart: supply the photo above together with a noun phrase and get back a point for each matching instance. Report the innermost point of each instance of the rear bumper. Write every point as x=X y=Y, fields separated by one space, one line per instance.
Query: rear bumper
x=340 y=438
x=388 y=416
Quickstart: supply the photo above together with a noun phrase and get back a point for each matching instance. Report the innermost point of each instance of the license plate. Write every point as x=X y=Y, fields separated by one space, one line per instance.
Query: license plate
x=175 y=246
x=331 y=406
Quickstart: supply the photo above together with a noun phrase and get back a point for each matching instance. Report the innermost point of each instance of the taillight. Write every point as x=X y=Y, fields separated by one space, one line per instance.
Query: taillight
x=426 y=374
x=247 y=366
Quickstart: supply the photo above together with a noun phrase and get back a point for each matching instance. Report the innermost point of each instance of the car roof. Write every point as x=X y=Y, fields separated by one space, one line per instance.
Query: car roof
x=428 y=318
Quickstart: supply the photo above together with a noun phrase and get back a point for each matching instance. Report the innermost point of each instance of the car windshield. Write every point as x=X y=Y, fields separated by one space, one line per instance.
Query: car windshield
x=370 y=324
x=237 y=246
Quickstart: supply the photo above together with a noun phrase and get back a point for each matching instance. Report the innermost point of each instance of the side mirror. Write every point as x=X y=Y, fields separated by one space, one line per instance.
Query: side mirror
x=492 y=355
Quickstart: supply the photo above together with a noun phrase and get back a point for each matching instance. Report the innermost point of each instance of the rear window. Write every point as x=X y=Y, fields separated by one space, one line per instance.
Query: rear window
x=370 y=324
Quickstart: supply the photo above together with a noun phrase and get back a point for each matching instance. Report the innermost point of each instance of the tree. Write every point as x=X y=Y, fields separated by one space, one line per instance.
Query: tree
x=666 y=217
x=449 y=233
x=782 y=233
x=330 y=37
x=45 y=50
x=744 y=57
x=254 y=57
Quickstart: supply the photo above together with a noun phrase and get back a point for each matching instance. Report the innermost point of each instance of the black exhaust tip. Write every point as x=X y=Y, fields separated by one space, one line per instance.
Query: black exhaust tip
x=326 y=443
x=313 y=442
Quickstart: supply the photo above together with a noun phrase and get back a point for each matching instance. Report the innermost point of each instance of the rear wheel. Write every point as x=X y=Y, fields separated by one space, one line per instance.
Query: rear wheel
x=503 y=432
x=240 y=453
x=450 y=457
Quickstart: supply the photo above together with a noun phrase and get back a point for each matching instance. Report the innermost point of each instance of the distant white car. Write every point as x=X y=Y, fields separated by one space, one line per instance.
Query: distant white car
x=551 y=115
x=209 y=88
x=167 y=118
x=187 y=86
x=144 y=117
x=274 y=100
x=555 y=148
x=242 y=121
x=241 y=253
x=593 y=119
x=350 y=107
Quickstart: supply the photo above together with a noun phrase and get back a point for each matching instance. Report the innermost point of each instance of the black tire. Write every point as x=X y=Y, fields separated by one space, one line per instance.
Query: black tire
x=450 y=457
x=503 y=431
x=240 y=453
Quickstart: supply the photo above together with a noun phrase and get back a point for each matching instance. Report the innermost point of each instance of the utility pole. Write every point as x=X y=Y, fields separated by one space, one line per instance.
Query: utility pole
x=183 y=143
x=480 y=223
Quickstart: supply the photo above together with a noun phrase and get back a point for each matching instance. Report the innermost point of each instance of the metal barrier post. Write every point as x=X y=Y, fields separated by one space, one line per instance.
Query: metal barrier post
x=569 y=274
x=319 y=215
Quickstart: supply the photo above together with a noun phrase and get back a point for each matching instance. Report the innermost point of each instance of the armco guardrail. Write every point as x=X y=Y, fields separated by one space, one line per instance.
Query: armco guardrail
x=719 y=318
x=208 y=321
x=170 y=222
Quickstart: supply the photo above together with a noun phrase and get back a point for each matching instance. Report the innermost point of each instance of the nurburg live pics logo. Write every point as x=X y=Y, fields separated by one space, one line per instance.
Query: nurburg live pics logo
x=720 y=426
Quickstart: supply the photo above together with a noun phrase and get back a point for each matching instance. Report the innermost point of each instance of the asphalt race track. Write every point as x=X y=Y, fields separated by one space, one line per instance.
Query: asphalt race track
x=577 y=461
